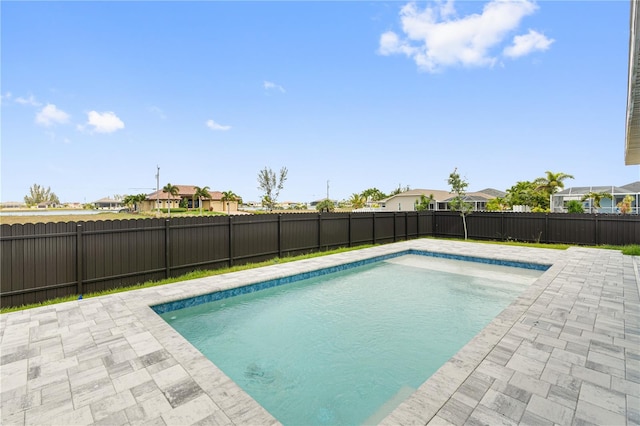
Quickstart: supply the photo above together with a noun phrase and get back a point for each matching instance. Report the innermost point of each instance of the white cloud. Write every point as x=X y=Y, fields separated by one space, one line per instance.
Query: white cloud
x=435 y=38
x=525 y=44
x=269 y=85
x=50 y=115
x=104 y=122
x=215 y=126
x=31 y=100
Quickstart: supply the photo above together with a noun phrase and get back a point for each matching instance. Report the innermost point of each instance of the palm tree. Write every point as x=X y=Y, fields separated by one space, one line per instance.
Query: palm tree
x=595 y=198
x=201 y=193
x=325 y=205
x=227 y=197
x=552 y=183
x=357 y=201
x=170 y=190
x=129 y=201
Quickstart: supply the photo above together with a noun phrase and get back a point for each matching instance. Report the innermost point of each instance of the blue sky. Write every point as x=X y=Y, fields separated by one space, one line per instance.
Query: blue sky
x=95 y=95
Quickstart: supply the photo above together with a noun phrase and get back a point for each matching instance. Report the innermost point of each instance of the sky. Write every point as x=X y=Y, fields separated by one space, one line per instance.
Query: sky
x=347 y=95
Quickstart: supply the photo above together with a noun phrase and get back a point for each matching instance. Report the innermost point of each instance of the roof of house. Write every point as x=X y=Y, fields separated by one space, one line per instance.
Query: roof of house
x=184 y=191
x=633 y=186
x=107 y=200
x=582 y=190
x=439 y=195
x=495 y=193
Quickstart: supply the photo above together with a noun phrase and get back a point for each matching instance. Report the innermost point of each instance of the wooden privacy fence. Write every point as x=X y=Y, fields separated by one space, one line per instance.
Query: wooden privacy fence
x=43 y=261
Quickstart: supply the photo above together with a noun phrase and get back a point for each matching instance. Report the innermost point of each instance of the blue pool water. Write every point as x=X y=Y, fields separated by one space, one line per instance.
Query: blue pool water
x=347 y=347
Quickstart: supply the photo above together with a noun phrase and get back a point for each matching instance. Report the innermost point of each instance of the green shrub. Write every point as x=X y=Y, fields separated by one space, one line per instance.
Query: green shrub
x=176 y=210
x=575 y=206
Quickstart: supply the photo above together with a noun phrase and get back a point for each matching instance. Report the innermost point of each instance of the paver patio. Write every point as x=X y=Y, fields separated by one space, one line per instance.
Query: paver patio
x=567 y=351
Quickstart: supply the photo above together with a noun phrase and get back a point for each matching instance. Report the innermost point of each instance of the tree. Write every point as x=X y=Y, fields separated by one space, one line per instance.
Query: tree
x=227 y=197
x=625 y=204
x=551 y=183
x=424 y=203
x=527 y=193
x=399 y=190
x=458 y=203
x=373 y=194
x=325 y=205
x=497 y=204
x=131 y=201
x=357 y=201
x=271 y=185
x=575 y=206
x=38 y=194
x=596 y=198
x=199 y=194
x=170 y=190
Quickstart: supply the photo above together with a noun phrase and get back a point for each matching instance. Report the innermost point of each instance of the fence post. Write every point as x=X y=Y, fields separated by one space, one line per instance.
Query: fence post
x=433 y=223
x=597 y=229
x=280 y=236
x=406 y=226
x=79 y=258
x=546 y=227
x=395 y=231
x=319 y=231
x=349 y=229
x=374 y=227
x=167 y=254
x=230 y=241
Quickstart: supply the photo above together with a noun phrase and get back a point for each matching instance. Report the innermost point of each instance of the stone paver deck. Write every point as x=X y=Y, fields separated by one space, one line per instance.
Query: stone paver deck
x=567 y=351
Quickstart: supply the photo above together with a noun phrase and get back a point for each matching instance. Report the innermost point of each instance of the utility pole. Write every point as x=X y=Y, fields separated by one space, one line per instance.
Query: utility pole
x=158 y=190
x=327 y=189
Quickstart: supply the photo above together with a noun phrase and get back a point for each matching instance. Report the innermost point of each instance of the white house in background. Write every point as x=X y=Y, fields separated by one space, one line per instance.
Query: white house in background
x=406 y=201
x=560 y=199
x=108 y=204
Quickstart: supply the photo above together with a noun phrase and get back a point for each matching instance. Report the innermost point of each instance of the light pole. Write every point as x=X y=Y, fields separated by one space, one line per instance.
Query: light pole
x=158 y=190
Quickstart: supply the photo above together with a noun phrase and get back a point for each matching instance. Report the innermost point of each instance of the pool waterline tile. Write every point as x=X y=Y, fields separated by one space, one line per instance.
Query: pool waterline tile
x=263 y=285
x=581 y=281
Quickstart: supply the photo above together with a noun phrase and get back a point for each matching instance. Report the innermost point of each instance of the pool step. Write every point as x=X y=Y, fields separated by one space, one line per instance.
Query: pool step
x=389 y=406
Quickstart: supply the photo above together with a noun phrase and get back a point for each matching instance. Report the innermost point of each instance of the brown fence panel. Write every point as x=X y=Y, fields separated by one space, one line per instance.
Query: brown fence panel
x=362 y=225
x=571 y=228
x=411 y=225
x=618 y=229
x=198 y=243
x=38 y=262
x=299 y=233
x=384 y=227
x=524 y=227
x=334 y=230
x=254 y=238
x=484 y=226
x=448 y=224
x=122 y=253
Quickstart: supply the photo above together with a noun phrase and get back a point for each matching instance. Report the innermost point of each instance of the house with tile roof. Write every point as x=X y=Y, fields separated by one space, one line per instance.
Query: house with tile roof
x=163 y=200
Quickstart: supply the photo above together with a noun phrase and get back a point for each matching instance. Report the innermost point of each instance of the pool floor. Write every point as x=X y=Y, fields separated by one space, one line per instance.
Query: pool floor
x=565 y=352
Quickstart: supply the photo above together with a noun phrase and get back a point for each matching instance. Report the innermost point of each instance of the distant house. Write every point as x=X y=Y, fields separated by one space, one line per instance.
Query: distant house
x=406 y=201
x=560 y=199
x=162 y=200
x=108 y=204
x=13 y=205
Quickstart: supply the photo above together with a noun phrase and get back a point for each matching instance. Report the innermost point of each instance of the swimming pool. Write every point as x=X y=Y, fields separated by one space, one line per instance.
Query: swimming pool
x=349 y=350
